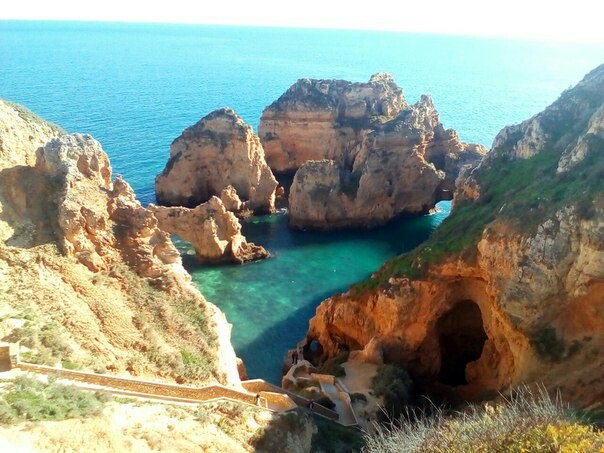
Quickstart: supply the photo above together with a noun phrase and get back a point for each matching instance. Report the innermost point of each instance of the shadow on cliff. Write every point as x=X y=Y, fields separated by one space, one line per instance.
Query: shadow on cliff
x=29 y=208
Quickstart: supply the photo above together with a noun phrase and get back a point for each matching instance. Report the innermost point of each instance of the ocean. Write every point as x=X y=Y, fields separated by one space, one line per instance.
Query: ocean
x=135 y=87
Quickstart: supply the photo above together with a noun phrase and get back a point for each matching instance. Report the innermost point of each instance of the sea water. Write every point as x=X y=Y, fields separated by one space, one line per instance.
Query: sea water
x=135 y=87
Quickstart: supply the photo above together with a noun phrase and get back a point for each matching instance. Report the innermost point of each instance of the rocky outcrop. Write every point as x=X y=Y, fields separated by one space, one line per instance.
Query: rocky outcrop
x=404 y=166
x=23 y=132
x=214 y=232
x=325 y=119
x=100 y=221
x=509 y=288
x=86 y=275
x=217 y=152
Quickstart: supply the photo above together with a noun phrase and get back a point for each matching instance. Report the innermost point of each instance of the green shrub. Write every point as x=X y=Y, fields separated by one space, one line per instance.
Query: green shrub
x=334 y=438
x=325 y=401
x=548 y=344
x=395 y=387
x=196 y=367
x=334 y=366
x=29 y=399
x=354 y=397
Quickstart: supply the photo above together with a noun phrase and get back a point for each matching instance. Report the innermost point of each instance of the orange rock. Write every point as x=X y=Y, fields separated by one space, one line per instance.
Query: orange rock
x=220 y=150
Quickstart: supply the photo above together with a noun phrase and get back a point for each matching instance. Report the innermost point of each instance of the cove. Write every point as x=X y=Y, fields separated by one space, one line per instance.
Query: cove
x=270 y=302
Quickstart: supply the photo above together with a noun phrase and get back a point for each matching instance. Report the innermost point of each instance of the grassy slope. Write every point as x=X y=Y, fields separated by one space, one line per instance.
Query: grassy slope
x=527 y=422
x=522 y=193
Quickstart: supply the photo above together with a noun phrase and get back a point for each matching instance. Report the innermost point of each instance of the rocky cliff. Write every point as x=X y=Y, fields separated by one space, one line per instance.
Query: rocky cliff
x=325 y=119
x=404 y=165
x=214 y=232
x=510 y=288
x=86 y=275
x=218 y=151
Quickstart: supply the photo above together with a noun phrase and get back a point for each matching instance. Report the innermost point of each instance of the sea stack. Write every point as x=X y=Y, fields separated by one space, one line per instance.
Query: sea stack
x=219 y=151
x=326 y=119
x=403 y=165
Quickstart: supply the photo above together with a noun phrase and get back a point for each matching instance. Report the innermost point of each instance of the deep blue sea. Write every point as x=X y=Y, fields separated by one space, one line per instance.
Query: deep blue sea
x=135 y=87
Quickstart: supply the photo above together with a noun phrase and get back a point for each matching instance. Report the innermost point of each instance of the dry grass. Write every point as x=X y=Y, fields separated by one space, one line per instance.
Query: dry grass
x=142 y=427
x=526 y=422
x=111 y=322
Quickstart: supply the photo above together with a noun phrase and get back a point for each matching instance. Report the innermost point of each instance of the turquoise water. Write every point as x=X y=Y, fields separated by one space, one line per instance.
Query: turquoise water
x=135 y=87
x=271 y=301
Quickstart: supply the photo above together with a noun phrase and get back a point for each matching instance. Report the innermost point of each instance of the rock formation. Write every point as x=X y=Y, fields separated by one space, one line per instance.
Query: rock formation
x=214 y=232
x=100 y=222
x=325 y=119
x=85 y=270
x=509 y=288
x=404 y=165
x=217 y=152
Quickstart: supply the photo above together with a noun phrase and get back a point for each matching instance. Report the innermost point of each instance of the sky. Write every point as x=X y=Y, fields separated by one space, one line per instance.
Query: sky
x=576 y=20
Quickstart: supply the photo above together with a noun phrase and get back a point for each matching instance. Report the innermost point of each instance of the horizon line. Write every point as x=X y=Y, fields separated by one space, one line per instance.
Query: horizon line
x=531 y=38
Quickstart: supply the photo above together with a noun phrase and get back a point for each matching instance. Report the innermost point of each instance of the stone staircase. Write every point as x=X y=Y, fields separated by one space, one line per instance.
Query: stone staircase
x=254 y=392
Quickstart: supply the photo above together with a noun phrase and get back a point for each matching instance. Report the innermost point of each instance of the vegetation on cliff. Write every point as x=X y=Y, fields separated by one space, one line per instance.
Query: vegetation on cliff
x=28 y=399
x=88 y=280
x=521 y=192
x=526 y=422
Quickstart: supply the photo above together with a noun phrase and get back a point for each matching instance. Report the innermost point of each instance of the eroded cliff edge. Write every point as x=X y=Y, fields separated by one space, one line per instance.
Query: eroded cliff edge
x=87 y=278
x=510 y=288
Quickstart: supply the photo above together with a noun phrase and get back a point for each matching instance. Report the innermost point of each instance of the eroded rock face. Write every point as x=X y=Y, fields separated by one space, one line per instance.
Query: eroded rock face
x=325 y=119
x=509 y=289
x=23 y=133
x=217 y=152
x=214 y=232
x=101 y=222
x=405 y=165
x=80 y=256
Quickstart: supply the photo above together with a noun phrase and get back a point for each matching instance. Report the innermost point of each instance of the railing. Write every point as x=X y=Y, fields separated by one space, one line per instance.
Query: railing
x=326 y=378
x=206 y=393
x=259 y=385
x=345 y=398
x=143 y=388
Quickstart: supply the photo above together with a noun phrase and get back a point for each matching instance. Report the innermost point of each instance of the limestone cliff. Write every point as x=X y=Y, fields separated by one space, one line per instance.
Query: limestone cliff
x=404 y=165
x=86 y=275
x=510 y=288
x=325 y=119
x=214 y=232
x=218 y=151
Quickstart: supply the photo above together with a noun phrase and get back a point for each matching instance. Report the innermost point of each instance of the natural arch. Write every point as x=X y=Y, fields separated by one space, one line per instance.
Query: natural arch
x=461 y=338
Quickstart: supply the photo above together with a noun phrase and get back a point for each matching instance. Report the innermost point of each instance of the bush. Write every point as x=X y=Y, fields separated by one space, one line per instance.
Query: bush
x=325 y=401
x=334 y=366
x=394 y=385
x=526 y=422
x=196 y=367
x=29 y=399
x=354 y=397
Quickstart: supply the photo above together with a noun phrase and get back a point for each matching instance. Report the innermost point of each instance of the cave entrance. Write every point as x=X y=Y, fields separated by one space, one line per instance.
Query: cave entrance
x=461 y=337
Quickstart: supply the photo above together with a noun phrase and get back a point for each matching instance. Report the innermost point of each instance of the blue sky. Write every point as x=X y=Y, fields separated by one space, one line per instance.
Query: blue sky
x=579 y=20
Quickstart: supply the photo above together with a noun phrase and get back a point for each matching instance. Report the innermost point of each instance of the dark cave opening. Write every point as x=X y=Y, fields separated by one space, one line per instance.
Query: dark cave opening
x=461 y=337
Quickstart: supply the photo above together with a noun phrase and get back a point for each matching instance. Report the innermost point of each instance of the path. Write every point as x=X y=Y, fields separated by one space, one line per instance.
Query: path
x=271 y=397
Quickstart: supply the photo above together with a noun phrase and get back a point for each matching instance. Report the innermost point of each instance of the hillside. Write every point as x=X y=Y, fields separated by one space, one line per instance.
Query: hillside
x=87 y=278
